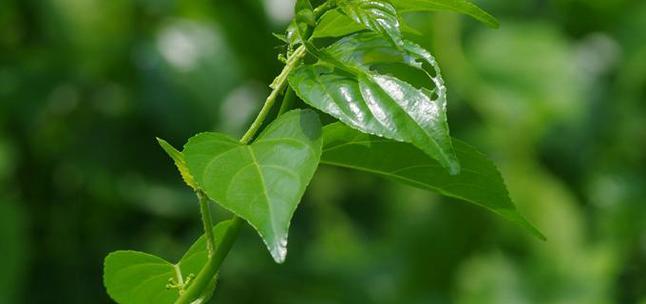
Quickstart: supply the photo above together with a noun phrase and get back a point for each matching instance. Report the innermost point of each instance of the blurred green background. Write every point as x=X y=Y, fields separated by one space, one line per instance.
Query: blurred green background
x=556 y=96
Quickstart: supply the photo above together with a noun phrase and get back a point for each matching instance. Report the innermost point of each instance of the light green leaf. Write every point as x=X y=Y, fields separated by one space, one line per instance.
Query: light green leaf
x=178 y=159
x=479 y=181
x=459 y=6
x=376 y=15
x=133 y=277
x=262 y=182
x=377 y=104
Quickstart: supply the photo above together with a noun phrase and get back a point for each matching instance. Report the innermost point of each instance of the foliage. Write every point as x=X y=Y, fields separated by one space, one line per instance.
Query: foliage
x=554 y=98
x=261 y=179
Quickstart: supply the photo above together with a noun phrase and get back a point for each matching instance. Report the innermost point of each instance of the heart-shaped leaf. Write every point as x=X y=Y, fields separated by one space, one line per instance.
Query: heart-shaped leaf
x=262 y=182
x=381 y=105
x=459 y=6
x=479 y=182
x=133 y=277
x=376 y=15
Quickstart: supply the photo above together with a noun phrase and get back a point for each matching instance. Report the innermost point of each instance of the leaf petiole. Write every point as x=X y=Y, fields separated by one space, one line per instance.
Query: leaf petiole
x=207 y=222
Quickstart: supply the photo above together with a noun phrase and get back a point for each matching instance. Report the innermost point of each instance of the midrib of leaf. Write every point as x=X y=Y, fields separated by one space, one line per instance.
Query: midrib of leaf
x=373 y=141
x=415 y=182
x=409 y=117
x=270 y=209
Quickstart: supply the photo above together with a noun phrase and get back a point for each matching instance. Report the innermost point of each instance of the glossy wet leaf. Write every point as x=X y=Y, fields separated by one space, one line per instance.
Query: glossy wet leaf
x=479 y=181
x=335 y=24
x=381 y=105
x=459 y=6
x=376 y=15
x=262 y=182
x=178 y=159
x=133 y=277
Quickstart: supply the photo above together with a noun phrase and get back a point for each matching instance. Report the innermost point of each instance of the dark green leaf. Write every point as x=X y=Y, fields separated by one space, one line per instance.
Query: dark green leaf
x=262 y=182
x=479 y=181
x=376 y=15
x=133 y=277
x=380 y=104
x=335 y=24
x=299 y=28
x=460 y=6
x=178 y=159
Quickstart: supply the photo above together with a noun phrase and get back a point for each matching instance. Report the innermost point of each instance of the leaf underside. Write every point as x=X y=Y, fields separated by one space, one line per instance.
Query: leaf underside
x=479 y=181
x=262 y=182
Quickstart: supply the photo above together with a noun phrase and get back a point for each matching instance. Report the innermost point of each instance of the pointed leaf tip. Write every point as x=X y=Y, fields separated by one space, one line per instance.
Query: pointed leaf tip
x=178 y=159
x=479 y=182
x=261 y=182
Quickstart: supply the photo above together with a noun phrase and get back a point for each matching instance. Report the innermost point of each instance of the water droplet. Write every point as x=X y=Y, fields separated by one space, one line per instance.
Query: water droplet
x=279 y=252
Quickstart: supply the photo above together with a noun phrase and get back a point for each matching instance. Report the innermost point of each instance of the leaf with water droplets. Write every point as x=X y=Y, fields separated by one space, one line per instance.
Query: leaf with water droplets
x=333 y=23
x=377 y=104
x=262 y=182
x=133 y=277
x=376 y=15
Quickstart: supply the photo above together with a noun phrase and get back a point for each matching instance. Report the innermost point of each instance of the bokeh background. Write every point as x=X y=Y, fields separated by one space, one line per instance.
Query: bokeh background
x=556 y=96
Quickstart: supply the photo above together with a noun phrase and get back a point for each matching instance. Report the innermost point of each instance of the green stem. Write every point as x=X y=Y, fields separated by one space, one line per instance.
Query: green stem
x=277 y=85
x=200 y=284
x=207 y=222
x=210 y=269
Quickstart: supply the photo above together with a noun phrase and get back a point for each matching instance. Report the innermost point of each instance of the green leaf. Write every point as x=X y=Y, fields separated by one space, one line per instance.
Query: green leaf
x=335 y=24
x=300 y=25
x=178 y=159
x=304 y=13
x=376 y=15
x=262 y=182
x=376 y=104
x=460 y=6
x=133 y=277
x=479 y=181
